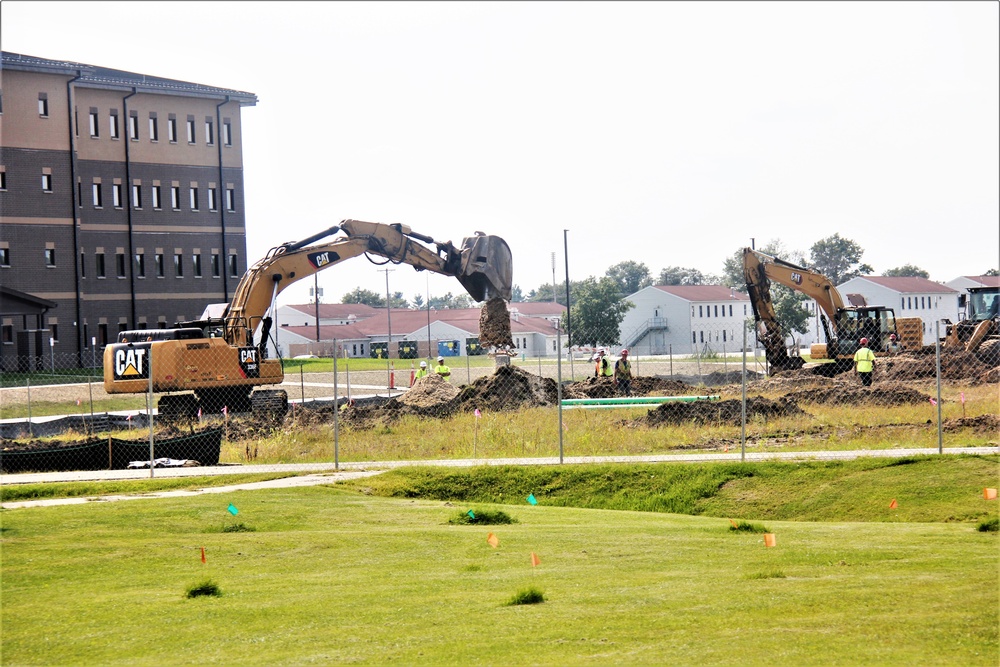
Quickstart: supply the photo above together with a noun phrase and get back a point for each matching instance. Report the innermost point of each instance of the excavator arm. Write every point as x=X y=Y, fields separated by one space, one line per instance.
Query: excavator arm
x=483 y=265
x=759 y=270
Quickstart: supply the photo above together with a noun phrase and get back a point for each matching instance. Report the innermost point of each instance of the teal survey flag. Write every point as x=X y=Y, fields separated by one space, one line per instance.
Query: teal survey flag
x=233 y=510
x=531 y=499
x=472 y=515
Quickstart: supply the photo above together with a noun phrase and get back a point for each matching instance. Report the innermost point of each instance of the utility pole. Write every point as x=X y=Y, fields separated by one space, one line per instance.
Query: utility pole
x=388 y=321
x=554 y=300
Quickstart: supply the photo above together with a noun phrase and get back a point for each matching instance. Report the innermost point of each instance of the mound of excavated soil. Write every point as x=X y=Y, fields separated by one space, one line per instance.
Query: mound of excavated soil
x=881 y=393
x=955 y=365
x=989 y=424
x=509 y=388
x=430 y=391
x=719 y=412
x=604 y=387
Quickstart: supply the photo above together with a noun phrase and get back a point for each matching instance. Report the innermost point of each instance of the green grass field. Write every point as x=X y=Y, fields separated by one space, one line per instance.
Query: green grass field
x=374 y=573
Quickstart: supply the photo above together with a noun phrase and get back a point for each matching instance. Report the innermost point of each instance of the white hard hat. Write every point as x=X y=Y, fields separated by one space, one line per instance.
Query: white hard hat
x=423 y=364
x=440 y=358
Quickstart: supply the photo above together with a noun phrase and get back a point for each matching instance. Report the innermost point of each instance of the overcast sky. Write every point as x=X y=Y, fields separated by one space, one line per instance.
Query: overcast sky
x=666 y=133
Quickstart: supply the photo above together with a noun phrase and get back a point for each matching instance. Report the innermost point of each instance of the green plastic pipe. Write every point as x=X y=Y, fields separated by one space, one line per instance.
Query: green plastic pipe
x=637 y=400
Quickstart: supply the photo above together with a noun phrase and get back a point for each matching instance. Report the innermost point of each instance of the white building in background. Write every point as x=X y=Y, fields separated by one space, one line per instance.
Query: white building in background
x=963 y=283
x=685 y=319
x=908 y=297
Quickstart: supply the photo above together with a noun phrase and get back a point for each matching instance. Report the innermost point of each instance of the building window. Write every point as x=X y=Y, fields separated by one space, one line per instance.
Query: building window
x=230 y=200
x=158 y=260
x=178 y=265
x=140 y=264
x=94 y=131
x=8 y=334
x=83 y=264
x=156 y=197
x=3 y=179
x=137 y=196
x=211 y=200
x=50 y=257
x=113 y=125
x=730 y=310
x=216 y=265
x=133 y=127
x=172 y=130
x=196 y=264
x=99 y=257
x=209 y=132
x=102 y=334
x=717 y=311
x=98 y=199
x=120 y=264
x=4 y=256
x=227 y=133
x=234 y=269
x=699 y=312
x=190 y=130
x=175 y=197
x=154 y=132
x=701 y=336
x=43 y=105
x=194 y=198
x=116 y=194
x=46 y=182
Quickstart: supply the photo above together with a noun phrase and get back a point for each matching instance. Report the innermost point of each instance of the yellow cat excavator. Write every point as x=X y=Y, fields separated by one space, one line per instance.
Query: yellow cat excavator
x=844 y=326
x=218 y=363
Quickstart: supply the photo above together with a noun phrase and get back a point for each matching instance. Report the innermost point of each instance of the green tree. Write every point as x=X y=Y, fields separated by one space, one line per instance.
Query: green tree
x=544 y=292
x=418 y=301
x=597 y=312
x=630 y=276
x=516 y=295
x=907 y=270
x=677 y=275
x=838 y=259
x=365 y=296
x=451 y=301
x=398 y=301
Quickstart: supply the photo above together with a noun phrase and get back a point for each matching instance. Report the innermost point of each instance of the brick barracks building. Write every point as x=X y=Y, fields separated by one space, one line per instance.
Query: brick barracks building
x=121 y=206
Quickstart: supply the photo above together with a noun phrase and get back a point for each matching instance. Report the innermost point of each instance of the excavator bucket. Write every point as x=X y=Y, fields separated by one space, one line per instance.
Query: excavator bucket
x=487 y=267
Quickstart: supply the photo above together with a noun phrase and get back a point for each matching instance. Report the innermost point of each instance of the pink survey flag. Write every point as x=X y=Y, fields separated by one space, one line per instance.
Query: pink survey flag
x=478 y=413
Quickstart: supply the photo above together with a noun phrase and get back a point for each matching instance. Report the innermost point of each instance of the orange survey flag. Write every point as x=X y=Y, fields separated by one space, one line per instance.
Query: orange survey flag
x=990 y=494
x=893 y=505
x=493 y=540
x=534 y=560
x=203 y=554
x=769 y=540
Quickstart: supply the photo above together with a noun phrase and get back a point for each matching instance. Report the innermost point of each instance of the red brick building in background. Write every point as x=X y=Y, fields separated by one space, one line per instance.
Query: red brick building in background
x=121 y=205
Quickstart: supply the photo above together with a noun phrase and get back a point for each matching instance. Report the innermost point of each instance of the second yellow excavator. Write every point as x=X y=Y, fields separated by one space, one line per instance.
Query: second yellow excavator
x=844 y=326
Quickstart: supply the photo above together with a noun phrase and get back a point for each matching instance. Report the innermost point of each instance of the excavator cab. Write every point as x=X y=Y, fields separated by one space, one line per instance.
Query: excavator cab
x=487 y=267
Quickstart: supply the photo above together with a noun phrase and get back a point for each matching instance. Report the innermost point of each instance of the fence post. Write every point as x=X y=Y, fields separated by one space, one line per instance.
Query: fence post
x=743 y=402
x=670 y=351
x=937 y=363
x=468 y=369
x=559 y=392
x=336 y=409
x=27 y=384
x=302 y=385
x=149 y=411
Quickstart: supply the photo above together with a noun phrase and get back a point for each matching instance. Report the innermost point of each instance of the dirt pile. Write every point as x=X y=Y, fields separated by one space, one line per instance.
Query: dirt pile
x=430 y=391
x=728 y=413
x=509 y=388
x=956 y=364
x=494 y=325
x=604 y=387
x=841 y=392
x=989 y=424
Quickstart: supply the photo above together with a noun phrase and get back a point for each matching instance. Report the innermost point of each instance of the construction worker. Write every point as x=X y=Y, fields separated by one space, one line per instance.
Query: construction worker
x=603 y=366
x=441 y=369
x=893 y=346
x=422 y=372
x=864 y=363
x=623 y=374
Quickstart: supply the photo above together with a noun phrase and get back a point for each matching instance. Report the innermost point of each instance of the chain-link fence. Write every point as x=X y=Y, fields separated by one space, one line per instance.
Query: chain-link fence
x=198 y=401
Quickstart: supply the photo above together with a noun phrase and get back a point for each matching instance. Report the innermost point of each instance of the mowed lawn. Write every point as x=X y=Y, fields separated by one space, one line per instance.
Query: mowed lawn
x=321 y=575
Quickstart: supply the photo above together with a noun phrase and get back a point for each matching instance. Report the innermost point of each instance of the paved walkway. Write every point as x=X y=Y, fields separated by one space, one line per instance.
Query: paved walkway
x=308 y=474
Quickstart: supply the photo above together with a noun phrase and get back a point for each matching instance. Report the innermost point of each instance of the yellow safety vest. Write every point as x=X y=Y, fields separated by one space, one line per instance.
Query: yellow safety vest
x=442 y=370
x=605 y=367
x=422 y=372
x=865 y=359
x=624 y=369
